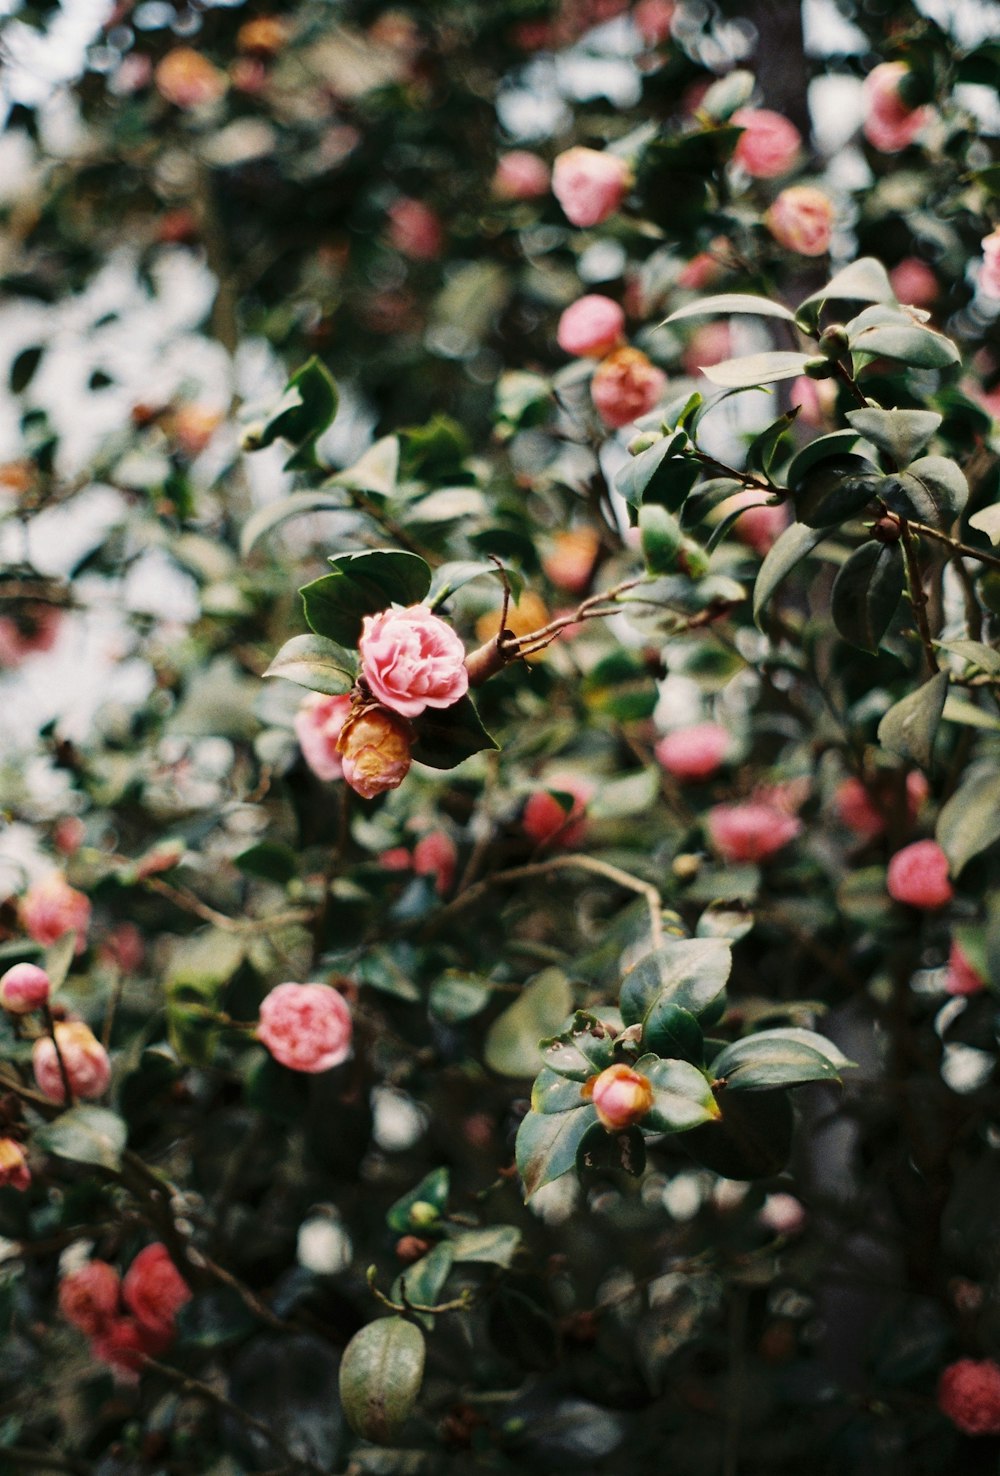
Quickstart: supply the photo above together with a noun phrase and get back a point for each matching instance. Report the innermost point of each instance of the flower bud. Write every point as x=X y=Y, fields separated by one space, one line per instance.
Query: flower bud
x=819 y=368
x=88 y=1298
x=410 y=1248
x=374 y=748
x=24 y=988
x=85 y=1059
x=918 y=876
x=620 y=1096
x=642 y=442
x=423 y=1214
x=833 y=341
x=969 y=1394
x=14 y=1170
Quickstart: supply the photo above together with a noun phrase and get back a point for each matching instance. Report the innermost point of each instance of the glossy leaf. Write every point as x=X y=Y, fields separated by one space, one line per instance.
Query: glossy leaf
x=447 y=736
x=835 y=490
x=689 y=972
x=769 y=1060
x=376 y=471
x=317 y=663
x=422 y=1283
x=305 y=411
x=791 y=547
x=658 y=475
x=682 y=1096
x=837 y=443
x=670 y=1030
x=754 y=369
x=910 y=726
x=604 y=1152
x=581 y=1051
x=433 y=1189
x=921 y=348
x=85 y=1134
x=970 y=820
x=865 y=280
x=731 y=302
x=380 y=1378
x=266 y=519
x=547 y=1145
x=490 y=1245
x=363 y=584
x=901 y=434
x=932 y=490
x=866 y=593
x=987 y=521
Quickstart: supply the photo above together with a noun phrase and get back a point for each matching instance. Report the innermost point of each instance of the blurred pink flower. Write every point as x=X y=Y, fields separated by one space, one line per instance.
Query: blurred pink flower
x=626 y=385
x=801 y=219
x=769 y=144
x=694 y=753
x=590 y=185
x=591 y=327
x=918 y=876
x=752 y=831
x=306 y=1027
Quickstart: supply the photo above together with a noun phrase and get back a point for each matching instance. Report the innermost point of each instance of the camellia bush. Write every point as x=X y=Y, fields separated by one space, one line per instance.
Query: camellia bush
x=500 y=646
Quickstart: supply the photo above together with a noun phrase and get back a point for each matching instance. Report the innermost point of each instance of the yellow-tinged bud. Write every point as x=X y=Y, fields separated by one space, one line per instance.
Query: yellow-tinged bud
x=374 y=749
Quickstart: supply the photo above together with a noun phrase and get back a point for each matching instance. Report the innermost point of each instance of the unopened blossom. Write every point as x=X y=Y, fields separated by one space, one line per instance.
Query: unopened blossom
x=435 y=855
x=769 y=144
x=51 y=908
x=621 y=1096
x=87 y=1063
x=625 y=385
x=801 y=219
x=415 y=230
x=569 y=560
x=306 y=1027
x=189 y=80
x=962 y=977
x=694 y=753
x=14 y=1170
x=546 y=821
x=751 y=832
x=968 y=1394
x=89 y=1297
x=591 y=327
x=918 y=876
x=318 y=725
x=374 y=747
x=890 y=123
x=521 y=175
x=154 y=1291
x=590 y=185
x=265 y=35
x=412 y=660
x=123 y=1345
x=24 y=988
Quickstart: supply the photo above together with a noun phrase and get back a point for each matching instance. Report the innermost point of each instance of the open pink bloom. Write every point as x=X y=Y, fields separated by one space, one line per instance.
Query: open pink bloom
x=14 y=1170
x=307 y=1027
x=962 y=978
x=918 y=875
x=52 y=908
x=890 y=125
x=85 y=1059
x=863 y=808
x=415 y=230
x=189 y=80
x=318 y=724
x=374 y=747
x=154 y=1291
x=913 y=282
x=590 y=185
x=88 y=1298
x=752 y=831
x=24 y=988
x=547 y=822
x=694 y=753
x=521 y=175
x=35 y=630
x=620 y=1096
x=989 y=276
x=626 y=385
x=435 y=855
x=969 y=1394
x=412 y=660
x=801 y=219
x=591 y=327
x=769 y=144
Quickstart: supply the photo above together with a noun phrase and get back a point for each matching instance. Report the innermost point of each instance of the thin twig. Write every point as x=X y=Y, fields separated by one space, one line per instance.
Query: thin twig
x=918 y=595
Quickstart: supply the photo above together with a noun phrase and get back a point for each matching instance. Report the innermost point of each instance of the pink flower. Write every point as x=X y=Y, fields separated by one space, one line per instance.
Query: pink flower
x=520 y=175
x=189 y=80
x=918 y=875
x=769 y=144
x=306 y=1026
x=24 y=988
x=68 y=835
x=962 y=977
x=761 y=525
x=123 y=948
x=700 y=272
x=154 y=1291
x=591 y=327
x=969 y=1394
x=590 y=185
x=815 y=399
x=752 y=831
x=653 y=19
x=415 y=230
x=374 y=747
x=989 y=276
x=33 y=631
x=626 y=385
x=783 y=1214
x=694 y=753
x=397 y=858
x=318 y=725
x=52 y=908
x=889 y=124
x=412 y=660
x=14 y=1170
x=547 y=822
x=85 y=1059
x=435 y=855
x=801 y=220
x=569 y=562
x=862 y=808
x=124 y=1345
x=88 y=1298
x=913 y=282
x=709 y=344
x=620 y=1096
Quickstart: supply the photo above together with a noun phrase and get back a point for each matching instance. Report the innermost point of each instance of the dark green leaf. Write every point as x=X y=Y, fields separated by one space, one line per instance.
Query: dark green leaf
x=835 y=490
x=752 y=1140
x=421 y=1284
x=661 y=537
x=363 y=584
x=901 y=434
x=670 y=1030
x=380 y=1377
x=603 y=1152
x=554 y=1093
x=689 y=972
x=763 y=449
x=970 y=821
x=490 y=1245
x=581 y=1051
x=22 y=371
x=456 y=996
x=835 y=444
x=682 y=1096
x=305 y=411
x=910 y=726
x=932 y=490
x=547 y=1144
x=85 y=1134
x=655 y=476
x=866 y=592
x=772 y=1059
x=446 y=736
x=270 y=859
x=432 y=1190
x=317 y=663
x=791 y=548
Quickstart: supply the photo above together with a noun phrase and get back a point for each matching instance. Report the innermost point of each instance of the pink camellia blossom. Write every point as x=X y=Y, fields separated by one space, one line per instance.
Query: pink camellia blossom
x=547 y=822
x=307 y=1027
x=154 y=1291
x=962 y=978
x=815 y=399
x=590 y=185
x=890 y=125
x=989 y=276
x=374 y=748
x=801 y=219
x=653 y=19
x=189 y=80
x=863 y=808
x=123 y=1344
x=415 y=230
x=521 y=175
x=24 y=988
x=88 y=1298
x=968 y=1393
x=33 y=631
x=435 y=855
x=769 y=144
x=14 y=1170
x=626 y=385
x=620 y=1096
x=569 y=562
x=913 y=282
x=700 y=272
x=709 y=344
x=918 y=875
x=783 y=1214
x=752 y=831
x=318 y=724
x=591 y=327
x=123 y=948
x=397 y=858
x=694 y=753
x=87 y=1063
x=412 y=660
x=51 y=908
x=69 y=834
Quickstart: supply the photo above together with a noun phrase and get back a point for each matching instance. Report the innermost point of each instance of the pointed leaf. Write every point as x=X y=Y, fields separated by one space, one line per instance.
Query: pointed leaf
x=866 y=592
x=305 y=411
x=554 y=1093
x=682 y=1096
x=932 y=490
x=581 y=1051
x=987 y=521
x=511 y=1047
x=314 y=662
x=764 y=1062
x=901 y=434
x=489 y=1245
x=791 y=548
x=447 y=736
x=85 y=1134
x=910 y=726
x=380 y=1377
x=433 y=1189
x=376 y=471
x=837 y=443
x=976 y=653
x=731 y=302
x=689 y=972
x=755 y=369
x=970 y=821
x=266 y=519
x=865 y=280
x=547 y=1145
x=363 y=584
x=909 y=344
x=836 y=490
x=670 y=1030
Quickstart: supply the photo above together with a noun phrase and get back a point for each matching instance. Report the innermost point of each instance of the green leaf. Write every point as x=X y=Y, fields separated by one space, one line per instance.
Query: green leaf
x=423 y=1282
x=59 y=958
x=304 y=412
x=380 y=1377
x=932 y=490
x=764 y=449
x=970 y=820
x=670 y=1030
x=755 y=369
x=511 y=1047
x=910 y=726
x=603 y=1152
x=554 y=1093
x=661 y=537
x=455 y=996
x=987 y=521
x=447 y=736
x=835 y=490
x=976 y=653
x=85 y=1135
x=961 y=710
x=198 y=972
x=865 y=280
x=581 y=1051
x=656 y=476
x=432 y=1190
x=682 y=1096
x=731 y=302
x=901 y=434
x=267 y=518
x=317 y=663
x=908 y=343
x=689 y=972
x=376 y=471
x=835 y=444
x=769 y=1060
x=450 y=577
x=866 y=592
x=793 y=545
x=547 y=1144
x=490 y=1245
x=363 y=584
x=270 y=859
x=810 y=1038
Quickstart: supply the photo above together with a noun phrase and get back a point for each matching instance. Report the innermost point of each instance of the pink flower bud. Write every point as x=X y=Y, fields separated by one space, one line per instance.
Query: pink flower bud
x=569 y=562
x=435 y=855
x=87 y=1064
x=700 y=272
x=752 y=831
x=962 y=978
x=918 y=875
x=14 y=1170
x=34 y=630
x=626 y=385
x=863 y=808
x=969 y=1395
x=769 y=144
x=694 y=753
x=68 y=835
x=24 y=988
x=415 y=230
x=520 y=175
x=801 y=220
x=620 y=1096
x=374 y=748
x=412 y=660
x=318 y=725
x=591 y=327
x=189 y=80
x=52 y=908
x=590 y=185
x=913 y=282
x=154 y=1291
x=123 y=948
x=783 y=1214
x=306 y=1027
x=88 y=1298
x=547 y=822
x=989 y=276
x=890 y=125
